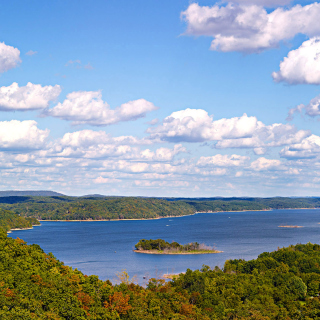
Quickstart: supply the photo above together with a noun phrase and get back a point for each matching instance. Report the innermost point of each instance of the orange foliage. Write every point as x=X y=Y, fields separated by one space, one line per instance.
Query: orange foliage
x=74 y=279
x=9 y=293
x=186 y=309
x=37 y=279
x=118 y=302
x=20 y=241
x=85 y=300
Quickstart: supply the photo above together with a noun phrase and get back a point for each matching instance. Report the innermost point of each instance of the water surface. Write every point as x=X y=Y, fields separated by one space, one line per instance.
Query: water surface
x=105 y=248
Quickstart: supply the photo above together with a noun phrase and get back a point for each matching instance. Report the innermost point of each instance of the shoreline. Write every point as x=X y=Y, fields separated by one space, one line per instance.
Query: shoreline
x=187 y=215
x=92 y=220
x=19 y=229
x=166 y=253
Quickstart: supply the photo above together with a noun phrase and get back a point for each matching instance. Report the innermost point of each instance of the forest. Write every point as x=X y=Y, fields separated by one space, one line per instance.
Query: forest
x=283 y=284
x=10 y=220
x=107 y=208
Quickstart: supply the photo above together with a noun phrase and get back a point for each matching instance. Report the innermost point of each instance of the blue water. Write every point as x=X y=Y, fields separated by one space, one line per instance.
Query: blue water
x=105 y=248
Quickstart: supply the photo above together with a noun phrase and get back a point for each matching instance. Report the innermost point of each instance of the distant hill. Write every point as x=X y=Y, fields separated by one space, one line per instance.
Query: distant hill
x=96 y=195
x=33 y=193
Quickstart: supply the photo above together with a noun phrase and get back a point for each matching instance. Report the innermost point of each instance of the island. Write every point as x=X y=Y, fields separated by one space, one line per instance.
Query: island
x=160 y=246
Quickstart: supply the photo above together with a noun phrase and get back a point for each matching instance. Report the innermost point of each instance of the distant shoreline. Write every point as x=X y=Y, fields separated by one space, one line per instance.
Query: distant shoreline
x=187 y=215
x=95 y=220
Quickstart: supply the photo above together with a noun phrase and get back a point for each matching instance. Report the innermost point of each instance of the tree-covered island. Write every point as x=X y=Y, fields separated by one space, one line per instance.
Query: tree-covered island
x=160 y=246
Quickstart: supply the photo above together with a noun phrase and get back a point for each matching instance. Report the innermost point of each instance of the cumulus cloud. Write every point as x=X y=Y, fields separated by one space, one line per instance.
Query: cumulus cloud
x=91 y=144
x=195 y=125
x=306 y=149
x=87 y=107
x=21 y=135
x=249 y=27
x=222 y=161
x=162 y=154
x=87 y=138
x=9 y=57
x=30 y=97
x=301 y=65
x=262 y=164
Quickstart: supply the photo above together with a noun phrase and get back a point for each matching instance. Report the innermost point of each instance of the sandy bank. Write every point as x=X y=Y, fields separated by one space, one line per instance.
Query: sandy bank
x=92 y=220
x=290 y=226
x=16 y=229
x=162 y=252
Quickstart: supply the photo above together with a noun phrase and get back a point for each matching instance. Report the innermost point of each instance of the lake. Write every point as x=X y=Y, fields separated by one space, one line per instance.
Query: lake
x=104 y=248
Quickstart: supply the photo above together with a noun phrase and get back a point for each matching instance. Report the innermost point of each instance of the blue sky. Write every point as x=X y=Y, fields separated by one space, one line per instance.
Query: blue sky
x=170 y=98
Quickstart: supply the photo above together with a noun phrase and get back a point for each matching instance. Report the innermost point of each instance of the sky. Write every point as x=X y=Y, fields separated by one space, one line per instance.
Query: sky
x=160 y=98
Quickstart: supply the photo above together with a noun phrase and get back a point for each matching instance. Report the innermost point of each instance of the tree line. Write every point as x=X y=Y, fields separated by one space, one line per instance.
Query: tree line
x=107 y=208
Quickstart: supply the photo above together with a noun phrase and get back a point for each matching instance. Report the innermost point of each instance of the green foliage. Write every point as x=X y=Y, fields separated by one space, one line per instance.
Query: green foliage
x=247 y=204
x=10 y=220
x=69 y=208
x=279 y=285
x=105 y=208
x=35 y=285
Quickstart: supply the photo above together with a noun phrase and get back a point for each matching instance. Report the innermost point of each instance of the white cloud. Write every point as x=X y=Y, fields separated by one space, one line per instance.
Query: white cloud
x=30 y=97
x=293 y=171
x=260 y=150
x=105 y=180
x=91 y=144
x=87 y=107
x=266 y=164
x=162 y=154
x=31 y=53
x=86 y=138
x=301 y=65
x=239 y=174
x=292 y=111
x=222 y=161
x=312 y=109
x=195 y=125
x=21 y=135
x=250 y=28
x=9 y=57
x=307 y=148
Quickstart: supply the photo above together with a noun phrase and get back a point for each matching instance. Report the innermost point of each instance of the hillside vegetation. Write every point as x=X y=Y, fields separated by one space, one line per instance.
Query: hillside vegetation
x=68 y=208
x=105 y=208
x=10 y=220
x=280 y=285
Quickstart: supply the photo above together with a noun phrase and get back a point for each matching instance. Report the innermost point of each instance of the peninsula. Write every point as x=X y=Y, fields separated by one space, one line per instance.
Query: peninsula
x=160 y=246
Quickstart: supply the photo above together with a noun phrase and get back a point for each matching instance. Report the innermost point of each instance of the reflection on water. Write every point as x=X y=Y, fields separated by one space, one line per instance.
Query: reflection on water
x=105 y=248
